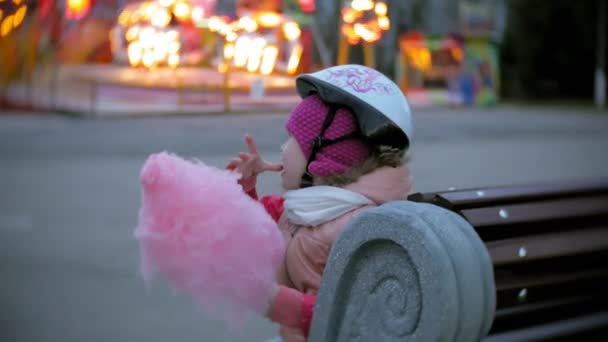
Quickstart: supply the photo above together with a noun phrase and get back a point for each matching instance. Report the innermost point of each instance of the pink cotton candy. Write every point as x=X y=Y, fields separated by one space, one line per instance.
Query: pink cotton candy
x=206 y=236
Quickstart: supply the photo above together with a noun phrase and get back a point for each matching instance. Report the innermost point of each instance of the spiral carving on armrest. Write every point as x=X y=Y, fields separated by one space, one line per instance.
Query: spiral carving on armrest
x=379 y=307
x=387 y=279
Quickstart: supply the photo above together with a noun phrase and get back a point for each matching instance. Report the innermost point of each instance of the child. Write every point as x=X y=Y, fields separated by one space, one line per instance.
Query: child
x=345 y=153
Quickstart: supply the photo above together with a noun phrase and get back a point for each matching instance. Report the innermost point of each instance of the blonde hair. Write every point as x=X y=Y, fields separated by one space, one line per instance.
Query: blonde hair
x=380 y=156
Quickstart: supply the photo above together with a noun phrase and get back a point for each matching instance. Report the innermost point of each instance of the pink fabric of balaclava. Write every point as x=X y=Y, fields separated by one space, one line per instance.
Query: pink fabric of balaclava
x=305 y=124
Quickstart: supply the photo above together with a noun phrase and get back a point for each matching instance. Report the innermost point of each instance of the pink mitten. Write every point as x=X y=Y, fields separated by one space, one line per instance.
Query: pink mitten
x=206 y=236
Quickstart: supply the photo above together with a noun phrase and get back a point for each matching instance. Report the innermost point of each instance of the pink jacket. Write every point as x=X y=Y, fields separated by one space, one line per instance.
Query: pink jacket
x=308 y=248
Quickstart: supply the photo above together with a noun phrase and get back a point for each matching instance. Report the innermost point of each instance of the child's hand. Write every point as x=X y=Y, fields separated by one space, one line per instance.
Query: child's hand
x=249 y=165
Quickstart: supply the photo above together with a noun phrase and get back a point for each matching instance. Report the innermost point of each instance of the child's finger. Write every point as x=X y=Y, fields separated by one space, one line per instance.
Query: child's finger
x=272 y=167
x=253 y=149
x=233 y=164
x=244 y=156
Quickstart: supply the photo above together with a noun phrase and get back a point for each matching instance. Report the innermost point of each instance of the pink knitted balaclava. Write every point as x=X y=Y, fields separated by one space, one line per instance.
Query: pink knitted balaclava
x=305 y=124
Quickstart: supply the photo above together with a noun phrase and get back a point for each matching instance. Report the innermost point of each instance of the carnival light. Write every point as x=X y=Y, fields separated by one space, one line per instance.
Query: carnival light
x=231 y=37
x=173 y=47
x=294 y=59
x=364 y=20
x=19 y=15
x=251 y=42
x=269 y=60
x=362 y=5
x=172 y=35
x=7 y=26
x=182 y=11
x=135 y=52
x=247 y=24
x=384 y=23
x=160 y=51
x=381 y=9
x=132 y=33
x=160 y=17
x=124 y=17
x=269 y=19
x=76 y=9
x=291 y=30
x=10 y=21
x=420 y=58
x=148 y=59
x=173 y=61
x=229 y=51
x=198 y=14
x=256 y=54
x=241 y=51
x=166 y=3
x=149 y=39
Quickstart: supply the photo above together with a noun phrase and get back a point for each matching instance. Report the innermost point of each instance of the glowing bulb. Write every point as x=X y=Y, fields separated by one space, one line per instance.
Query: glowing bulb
x=256 y=53
x=166 y=3
x=173 y=47
x=173 y=60
x=146 y=37
x=148 y=59
x=270 y=20
x=291 y=30
x=134 y=52
x=132 y=33
x=198 y=14
x=19 y=15
x=160 y=51
x=229 y=51
x=269 y=59
x=381 y=9
x=362 y=5
x=160 y=18
x=365 y=33
x=351 y=36
x=384 y=23
x=294 y=59
x=241 y=51
x=171 y=35
x=349 y=15
x=231 y=37
x=76 y=9
x=216 y=24
x=7 y=26
x=182 y=11
x=124 y=17
x=248 y=24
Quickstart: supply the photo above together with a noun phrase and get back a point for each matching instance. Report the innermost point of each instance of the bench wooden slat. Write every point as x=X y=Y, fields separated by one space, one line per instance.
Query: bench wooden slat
x=591 y=327
x=545 y=279
x=537 y=211
x=538 y=313
x=545 y=288
x=469 y=198
x=546 y=246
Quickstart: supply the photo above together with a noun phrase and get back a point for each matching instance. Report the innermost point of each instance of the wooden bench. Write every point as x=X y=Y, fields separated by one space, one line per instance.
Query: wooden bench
x=548 y=246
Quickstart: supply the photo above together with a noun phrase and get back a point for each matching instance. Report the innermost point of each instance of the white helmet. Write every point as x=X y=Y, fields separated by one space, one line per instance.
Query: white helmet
x=381 y=109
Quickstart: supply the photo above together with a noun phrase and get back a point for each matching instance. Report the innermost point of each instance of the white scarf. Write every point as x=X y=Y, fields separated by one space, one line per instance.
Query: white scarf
x=319 y=204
